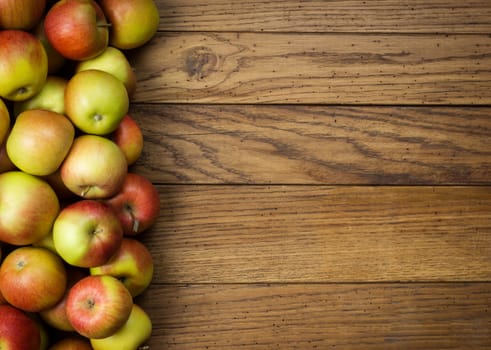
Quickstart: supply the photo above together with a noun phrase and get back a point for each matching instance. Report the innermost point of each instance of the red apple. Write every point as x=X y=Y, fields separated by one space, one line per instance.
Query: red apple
x=77 y=29
x=23 y=65
x=18 y=331
x=87 y=233
x=132 y=264
x=129 y=137
x=21 y=14
x=97 y=306
x=28 y=208
x=32 y=278
x=55 y=60
x=71 y=343
x=56 y=316
x=137 y=204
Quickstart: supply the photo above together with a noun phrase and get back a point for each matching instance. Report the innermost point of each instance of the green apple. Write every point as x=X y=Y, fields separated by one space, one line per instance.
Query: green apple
x=21 y=14
x=97 y=306
x=132 y=335
x=129 y=137
x=39 y=141
x=23 y=65
x=87 y=233
x=28 y=208
x=133 y=22
x=95 y=167
x=96 y=101
x=51 y=97
x=18 y=330
x=132 y=264
x=32 y=278
x=112 y=61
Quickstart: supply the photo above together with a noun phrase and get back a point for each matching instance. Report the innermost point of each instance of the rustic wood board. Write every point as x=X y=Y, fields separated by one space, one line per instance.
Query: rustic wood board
x=324 y=171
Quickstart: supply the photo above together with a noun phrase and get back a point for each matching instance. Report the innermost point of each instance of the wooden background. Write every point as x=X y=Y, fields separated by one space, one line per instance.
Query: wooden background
x=324 y=170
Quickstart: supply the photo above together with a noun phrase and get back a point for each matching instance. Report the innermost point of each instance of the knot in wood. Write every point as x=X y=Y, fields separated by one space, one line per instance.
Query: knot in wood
x=200 y=62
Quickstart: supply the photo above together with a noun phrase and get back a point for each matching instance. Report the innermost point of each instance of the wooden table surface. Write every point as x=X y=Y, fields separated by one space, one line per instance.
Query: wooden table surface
x=325 y=174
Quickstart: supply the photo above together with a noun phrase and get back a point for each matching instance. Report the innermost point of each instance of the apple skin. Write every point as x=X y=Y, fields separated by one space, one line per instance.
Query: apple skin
x=77 y=29
x=132 y=264
x=133 y=22
x=137 y=204
x=112 y=61
x=21 y=14
x=23 y=65
x=87 y=233
x=129 y=137
x=51 y=97
x=18 y=330
x=56 y=316
x=39 y=141
x=97 y=306
x=96 y=101
x=132 y=335
x=32 y=278
x=55 y=60
x=4 y=121
x=72 y=343
x=94 y=168
x=28 y=208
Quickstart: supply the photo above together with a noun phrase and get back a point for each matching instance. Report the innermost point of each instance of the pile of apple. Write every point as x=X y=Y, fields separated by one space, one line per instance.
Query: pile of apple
x=71 y=208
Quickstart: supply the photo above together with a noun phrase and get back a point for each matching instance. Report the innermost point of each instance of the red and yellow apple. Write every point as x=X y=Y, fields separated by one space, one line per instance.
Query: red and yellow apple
x=18 y=331
x=137 y=204
x=94 y=168
x=21 y=14
x=23 y=65
x=51 y=97
x=71 y=343
x=132 y=264
x=129 y=137
x=32 y=278
x=28 y=208
x=39 y=141
x=87 y=233
x=77 y=29
x=97 y=306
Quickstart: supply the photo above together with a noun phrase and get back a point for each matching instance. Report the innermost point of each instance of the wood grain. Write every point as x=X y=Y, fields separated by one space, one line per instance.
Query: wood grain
x=448 y=16
x=299 y=68
x=252 y=234
x=321 y=316
x=246 y=144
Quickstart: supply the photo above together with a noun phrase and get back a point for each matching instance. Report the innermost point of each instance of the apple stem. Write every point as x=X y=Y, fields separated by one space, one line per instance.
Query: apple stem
x=85 y=191
x=136 y=225
x=104 y=25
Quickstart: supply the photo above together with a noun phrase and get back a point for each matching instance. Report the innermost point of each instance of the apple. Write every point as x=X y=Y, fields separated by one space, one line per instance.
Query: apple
x=137 y=204
x=56 y=182
x=21 y=14
x=23 y=65
x=129 y=137
x=5 y=162
x=56 y=316
x=39 y=141
x=87 y=233
x=28 y=208
x=32 y=278
x=95 y=167
x=18 y=330
x=55 y=60
x=77 y=29
x=132 y=264
x=72 y=343
x=97 y=306
x=132 y=335
x=133 y=22
x=4 y=121
x=112 y=61
x=96 y=101
x=51 y=97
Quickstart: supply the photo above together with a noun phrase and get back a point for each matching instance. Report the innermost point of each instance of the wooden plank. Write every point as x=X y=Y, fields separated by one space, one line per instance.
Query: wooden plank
x=443 y=16
x=314 y=68
x=319 y=316
x=249 y=234
x=314 y=145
